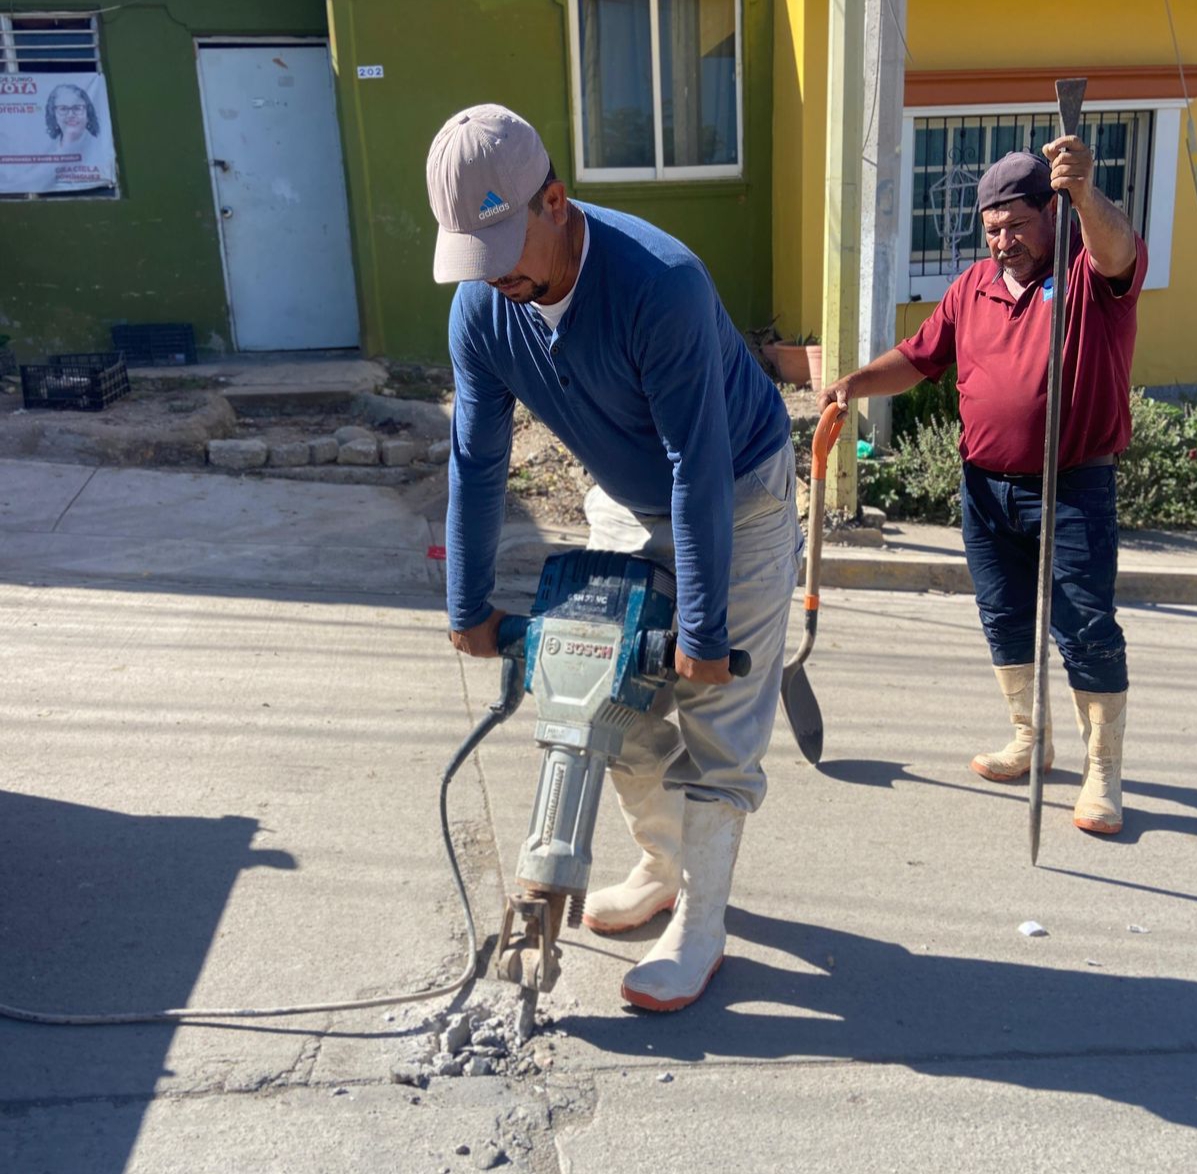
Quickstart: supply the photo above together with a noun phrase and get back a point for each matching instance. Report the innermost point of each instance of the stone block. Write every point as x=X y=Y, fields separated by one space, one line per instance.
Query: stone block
x=438 y=452
x=871 y=517
x=288 y=454
x=237 y=454
x=358 y=452
x=323 y=450
x=398 y=452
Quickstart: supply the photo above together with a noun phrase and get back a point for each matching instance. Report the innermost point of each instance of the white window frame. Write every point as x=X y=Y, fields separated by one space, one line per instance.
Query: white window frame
x=1161 y=183
x=8 y=47
x=658 y=172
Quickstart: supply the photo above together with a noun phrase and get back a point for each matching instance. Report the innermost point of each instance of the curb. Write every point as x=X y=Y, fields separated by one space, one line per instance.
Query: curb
x=898 y=573
x=524 y=547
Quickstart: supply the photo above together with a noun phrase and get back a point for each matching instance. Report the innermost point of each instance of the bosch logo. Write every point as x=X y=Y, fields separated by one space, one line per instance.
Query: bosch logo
x=582 y=648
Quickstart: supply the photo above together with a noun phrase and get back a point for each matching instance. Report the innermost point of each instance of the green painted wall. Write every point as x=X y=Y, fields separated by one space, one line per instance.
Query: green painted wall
x=70 y=268
x=441 y=57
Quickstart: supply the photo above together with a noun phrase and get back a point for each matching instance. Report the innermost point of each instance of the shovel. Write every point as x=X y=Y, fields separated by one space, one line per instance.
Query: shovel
x=797 y=697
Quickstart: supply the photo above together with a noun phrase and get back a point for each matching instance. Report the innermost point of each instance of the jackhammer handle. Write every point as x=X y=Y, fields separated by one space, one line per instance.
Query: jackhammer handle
x=739 y=662
x=512 y=632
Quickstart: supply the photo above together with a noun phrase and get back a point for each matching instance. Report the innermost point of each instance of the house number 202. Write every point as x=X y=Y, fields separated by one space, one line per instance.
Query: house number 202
x=371 y=71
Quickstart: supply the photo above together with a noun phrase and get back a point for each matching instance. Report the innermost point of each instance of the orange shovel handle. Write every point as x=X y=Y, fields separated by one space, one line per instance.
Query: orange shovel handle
x=826 y=434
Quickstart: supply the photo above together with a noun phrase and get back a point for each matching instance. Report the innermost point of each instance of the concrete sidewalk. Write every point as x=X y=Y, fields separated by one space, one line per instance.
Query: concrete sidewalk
x=226 y=708
x=200 y=530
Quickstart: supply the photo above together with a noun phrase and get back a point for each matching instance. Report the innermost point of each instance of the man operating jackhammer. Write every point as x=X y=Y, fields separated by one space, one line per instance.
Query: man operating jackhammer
x=611 y=333
x=994 y=322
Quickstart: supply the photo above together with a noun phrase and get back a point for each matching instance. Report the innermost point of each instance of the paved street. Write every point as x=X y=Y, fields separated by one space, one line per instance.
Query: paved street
x=225 y=711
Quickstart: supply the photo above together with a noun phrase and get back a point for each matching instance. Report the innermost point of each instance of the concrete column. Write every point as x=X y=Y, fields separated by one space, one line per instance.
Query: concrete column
x=881 y=181
x=841 y=230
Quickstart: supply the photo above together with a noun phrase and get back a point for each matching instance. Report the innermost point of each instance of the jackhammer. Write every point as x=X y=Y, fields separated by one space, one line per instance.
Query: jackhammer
x=595 y=652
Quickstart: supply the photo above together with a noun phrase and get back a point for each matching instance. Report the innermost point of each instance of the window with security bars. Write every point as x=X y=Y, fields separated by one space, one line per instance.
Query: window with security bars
x=49 y=42
x=40 y=43
x=656 y=88
x=953 y=151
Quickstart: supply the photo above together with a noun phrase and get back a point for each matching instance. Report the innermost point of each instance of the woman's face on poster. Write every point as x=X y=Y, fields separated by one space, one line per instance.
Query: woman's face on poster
x=70 y=108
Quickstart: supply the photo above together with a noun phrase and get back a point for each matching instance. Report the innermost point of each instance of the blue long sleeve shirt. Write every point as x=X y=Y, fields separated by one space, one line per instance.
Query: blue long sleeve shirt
x=648 y=384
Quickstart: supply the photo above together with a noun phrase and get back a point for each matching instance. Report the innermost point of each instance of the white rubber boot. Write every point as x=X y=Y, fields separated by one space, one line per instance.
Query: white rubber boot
x=1017 y=682
x=654 y=817
x=1101 y=718
x=678 y=967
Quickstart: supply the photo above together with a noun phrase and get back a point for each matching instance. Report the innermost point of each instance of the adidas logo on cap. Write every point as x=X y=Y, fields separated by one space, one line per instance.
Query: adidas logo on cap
x=492 y=206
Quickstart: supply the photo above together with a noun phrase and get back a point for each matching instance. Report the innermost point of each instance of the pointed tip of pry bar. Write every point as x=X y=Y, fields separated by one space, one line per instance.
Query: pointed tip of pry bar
x=1070 y=94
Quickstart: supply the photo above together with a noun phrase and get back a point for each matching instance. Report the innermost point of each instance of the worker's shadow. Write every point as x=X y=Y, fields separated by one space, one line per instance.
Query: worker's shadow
x=869 y=772
x=102 y=912
x=1138 y=823
x=862 y=999
x=1060 y=790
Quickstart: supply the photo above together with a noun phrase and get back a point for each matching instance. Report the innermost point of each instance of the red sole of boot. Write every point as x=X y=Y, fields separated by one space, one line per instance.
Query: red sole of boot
x=606 y=930
x=1093 y=825
x=994 y=777
x=648 y=1003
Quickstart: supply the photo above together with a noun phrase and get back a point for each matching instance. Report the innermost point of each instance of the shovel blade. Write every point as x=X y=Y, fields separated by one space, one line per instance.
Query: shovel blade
x=802 y=712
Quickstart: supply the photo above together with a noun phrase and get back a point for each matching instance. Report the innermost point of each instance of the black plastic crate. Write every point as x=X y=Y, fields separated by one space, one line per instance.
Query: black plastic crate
x=157 y=344
x=8 y=362
x=76 y=383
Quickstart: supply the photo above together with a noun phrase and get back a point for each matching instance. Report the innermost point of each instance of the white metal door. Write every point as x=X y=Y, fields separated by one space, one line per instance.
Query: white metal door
x=275 y=151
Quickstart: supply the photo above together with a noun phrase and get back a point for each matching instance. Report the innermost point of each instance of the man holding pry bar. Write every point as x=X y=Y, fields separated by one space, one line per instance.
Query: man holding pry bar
x=994 y=323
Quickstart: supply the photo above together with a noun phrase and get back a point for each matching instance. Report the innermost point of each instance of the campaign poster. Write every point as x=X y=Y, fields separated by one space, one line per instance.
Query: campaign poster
x=55 y=133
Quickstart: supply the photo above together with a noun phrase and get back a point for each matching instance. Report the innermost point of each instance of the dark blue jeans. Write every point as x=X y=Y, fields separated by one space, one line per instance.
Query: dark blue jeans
x=1001 y=541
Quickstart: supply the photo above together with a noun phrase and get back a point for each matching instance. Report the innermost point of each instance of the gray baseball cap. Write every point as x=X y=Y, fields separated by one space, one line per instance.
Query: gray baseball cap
x=484 y=165
x=1012 y=177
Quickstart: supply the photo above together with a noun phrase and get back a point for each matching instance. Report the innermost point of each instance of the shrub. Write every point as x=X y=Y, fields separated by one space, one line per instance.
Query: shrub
x=921 y=480
x=925 y=403
x=1157 y=475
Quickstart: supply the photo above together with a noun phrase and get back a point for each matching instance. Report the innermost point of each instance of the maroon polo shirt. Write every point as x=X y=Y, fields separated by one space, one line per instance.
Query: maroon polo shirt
x=1000 y=345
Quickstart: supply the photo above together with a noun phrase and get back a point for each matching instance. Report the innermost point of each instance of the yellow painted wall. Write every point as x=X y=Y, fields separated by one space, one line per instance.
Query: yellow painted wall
x=945 y=34
x=1164 y=352
x=799 y=146
x=1025 y=34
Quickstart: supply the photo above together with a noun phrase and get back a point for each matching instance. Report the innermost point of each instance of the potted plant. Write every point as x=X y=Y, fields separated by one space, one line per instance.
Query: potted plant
x=799 y=361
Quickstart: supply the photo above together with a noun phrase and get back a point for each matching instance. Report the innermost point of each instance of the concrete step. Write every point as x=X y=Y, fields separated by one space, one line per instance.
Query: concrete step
x=286 y=400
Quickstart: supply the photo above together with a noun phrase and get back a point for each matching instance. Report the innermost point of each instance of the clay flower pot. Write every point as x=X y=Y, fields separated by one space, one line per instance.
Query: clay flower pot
x=797 y=363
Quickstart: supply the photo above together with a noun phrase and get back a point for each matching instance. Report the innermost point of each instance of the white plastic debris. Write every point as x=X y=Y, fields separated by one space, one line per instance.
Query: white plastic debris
x=666 y=1078
x=1092 y=962
x=1032 y=929
x=1138 y=929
